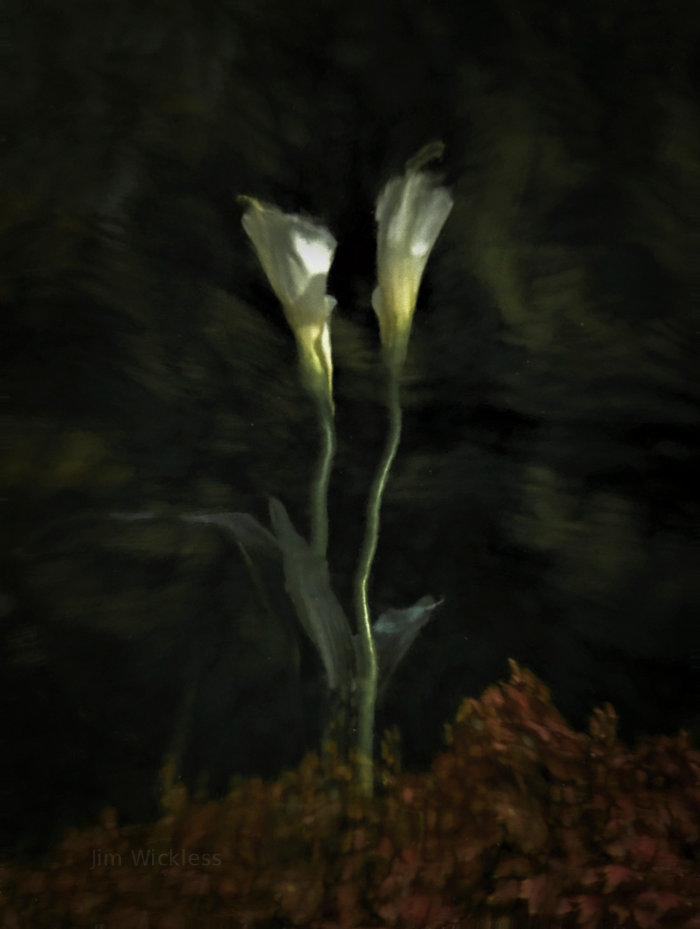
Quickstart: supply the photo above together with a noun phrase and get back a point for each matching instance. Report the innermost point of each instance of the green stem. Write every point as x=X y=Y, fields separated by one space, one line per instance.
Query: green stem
x=368 y=671
x=319 y=486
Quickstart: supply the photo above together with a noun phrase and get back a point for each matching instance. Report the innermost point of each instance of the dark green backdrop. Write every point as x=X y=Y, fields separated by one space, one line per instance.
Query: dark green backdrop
x=547 y=481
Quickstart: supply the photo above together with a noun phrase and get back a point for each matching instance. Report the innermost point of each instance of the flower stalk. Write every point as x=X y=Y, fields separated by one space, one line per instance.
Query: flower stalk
x=411 y=211
x=322 y=477
x=369 y=670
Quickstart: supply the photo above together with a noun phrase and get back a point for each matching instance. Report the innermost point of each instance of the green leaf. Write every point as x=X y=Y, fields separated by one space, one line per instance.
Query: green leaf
x=394 y=633
x=308 y=584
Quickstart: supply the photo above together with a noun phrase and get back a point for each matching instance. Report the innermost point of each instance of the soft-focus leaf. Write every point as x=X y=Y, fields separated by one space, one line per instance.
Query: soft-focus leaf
x=246 y=529
x=308 y=585
x=395 y=631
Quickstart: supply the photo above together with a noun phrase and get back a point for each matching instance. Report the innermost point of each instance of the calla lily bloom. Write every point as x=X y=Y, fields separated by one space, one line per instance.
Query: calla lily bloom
x=296 y=255
x=411 y=211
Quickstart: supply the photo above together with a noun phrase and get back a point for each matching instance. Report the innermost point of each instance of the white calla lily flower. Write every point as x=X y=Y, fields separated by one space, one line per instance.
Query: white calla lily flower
x=296 y=255
x=411 y=211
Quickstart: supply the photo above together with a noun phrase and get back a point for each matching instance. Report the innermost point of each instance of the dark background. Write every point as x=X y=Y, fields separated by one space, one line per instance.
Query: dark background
x=547 y=481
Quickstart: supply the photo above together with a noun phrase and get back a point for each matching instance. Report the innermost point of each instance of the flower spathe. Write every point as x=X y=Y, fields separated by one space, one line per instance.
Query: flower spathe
x=411 y=211
x=296 y=255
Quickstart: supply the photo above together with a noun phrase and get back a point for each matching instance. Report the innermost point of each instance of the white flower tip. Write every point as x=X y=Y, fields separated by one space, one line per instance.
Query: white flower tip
x=430 y=152
x=247 y=223
x=253 y=218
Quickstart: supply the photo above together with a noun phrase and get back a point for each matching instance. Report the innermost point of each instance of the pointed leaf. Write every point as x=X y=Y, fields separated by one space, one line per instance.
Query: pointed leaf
x=308 y=585
x=247 y=530
x=395 y=631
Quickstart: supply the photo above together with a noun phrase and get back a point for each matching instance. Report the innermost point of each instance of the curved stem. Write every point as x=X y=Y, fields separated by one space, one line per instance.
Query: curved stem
x=319 y=486
x=368 y=670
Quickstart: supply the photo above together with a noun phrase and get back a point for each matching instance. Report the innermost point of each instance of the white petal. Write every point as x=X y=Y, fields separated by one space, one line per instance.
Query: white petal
x=316 y=251
x=293 y=251
x=410 y=212
x=431 y=222
x=377 y=301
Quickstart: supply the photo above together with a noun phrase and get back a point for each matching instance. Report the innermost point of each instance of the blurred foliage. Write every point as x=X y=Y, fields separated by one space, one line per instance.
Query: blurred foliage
x=520 y=821
x=546 y=484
